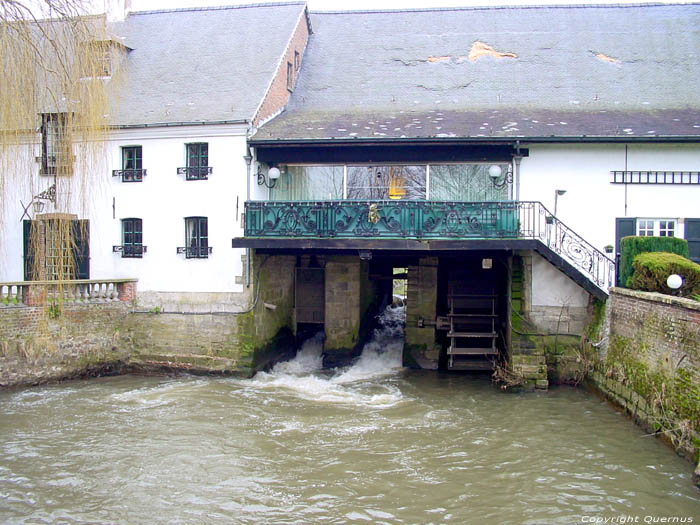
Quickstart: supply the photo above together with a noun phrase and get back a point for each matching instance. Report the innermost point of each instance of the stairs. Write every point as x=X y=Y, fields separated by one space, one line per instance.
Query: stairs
x=471 y=325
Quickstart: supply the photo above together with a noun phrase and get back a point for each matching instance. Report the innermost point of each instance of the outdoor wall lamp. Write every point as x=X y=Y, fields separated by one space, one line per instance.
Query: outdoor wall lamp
x=498 y=178
x=37 y=203
x=272 y=175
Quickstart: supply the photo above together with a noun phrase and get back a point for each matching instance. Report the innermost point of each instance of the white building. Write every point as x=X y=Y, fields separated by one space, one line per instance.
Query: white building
x=397 y=136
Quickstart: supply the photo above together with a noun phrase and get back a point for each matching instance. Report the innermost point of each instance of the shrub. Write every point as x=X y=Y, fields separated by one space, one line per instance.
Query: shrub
x=651 y=270
x=630 y=247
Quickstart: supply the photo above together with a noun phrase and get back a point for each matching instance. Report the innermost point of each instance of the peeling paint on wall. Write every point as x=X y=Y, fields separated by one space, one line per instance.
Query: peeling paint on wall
x=480 y=49
x=606 y=58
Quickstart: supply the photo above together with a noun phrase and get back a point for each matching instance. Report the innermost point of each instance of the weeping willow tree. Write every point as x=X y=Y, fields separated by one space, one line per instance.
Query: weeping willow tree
x=59 y=68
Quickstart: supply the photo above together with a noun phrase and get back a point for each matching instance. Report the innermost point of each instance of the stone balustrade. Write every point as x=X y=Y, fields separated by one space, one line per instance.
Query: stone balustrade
x=82 y=291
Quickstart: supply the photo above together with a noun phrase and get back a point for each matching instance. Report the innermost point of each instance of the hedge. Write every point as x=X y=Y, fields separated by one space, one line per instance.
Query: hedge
x=630 y=247
x=651 y=270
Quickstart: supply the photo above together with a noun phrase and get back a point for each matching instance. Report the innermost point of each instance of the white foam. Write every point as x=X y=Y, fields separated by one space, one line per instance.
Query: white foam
x=356 y=384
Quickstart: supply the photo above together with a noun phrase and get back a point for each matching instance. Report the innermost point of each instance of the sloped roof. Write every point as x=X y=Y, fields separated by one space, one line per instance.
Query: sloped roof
x=201 y=64
x=548 y=71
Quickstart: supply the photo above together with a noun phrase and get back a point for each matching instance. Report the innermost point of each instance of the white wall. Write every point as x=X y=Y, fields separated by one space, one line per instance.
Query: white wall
x=552 y=287
x=591 y=202
x=162 y=201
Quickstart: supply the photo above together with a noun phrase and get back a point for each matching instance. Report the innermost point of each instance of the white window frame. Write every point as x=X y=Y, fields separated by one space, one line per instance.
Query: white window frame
x=656 y=227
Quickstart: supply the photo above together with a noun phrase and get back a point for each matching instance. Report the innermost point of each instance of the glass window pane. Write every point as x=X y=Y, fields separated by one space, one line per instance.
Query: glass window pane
x=304 y=183
x=387 y=182
x=466 y=183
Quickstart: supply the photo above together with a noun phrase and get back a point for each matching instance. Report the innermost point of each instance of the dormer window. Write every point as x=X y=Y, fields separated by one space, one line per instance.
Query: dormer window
x=101 y=57
x=56 y=154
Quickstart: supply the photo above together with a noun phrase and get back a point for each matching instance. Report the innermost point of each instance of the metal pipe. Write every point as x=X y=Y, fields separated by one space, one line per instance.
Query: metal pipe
x=517 y=160
x=248 y=162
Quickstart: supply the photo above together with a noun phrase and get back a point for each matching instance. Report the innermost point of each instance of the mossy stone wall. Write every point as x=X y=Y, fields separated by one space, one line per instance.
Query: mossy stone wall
x=650 y=364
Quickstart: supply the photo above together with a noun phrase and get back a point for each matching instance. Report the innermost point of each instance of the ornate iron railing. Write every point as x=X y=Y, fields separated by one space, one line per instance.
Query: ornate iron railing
x=130 y=250
x=130 y=175
x=425 y=220
x=195 y=252
x=195 y=172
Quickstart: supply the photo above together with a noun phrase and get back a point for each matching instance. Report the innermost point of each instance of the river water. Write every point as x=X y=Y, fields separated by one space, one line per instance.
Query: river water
x=370 y=443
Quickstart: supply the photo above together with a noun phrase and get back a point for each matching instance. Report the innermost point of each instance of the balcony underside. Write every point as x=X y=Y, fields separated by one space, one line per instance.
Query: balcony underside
x=389 y=247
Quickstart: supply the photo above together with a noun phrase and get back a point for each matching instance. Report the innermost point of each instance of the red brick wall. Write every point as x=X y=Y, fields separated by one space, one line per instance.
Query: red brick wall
x=278 y=94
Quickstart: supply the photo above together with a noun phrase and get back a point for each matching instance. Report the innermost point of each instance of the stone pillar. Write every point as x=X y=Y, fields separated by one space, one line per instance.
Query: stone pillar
x=343 y=309
x=420 y=350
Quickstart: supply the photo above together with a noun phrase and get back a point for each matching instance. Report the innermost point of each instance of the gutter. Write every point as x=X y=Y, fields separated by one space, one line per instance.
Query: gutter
x=470 y=140
x=180 y=124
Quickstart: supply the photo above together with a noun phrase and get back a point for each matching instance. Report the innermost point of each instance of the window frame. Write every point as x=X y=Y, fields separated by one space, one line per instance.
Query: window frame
x=200 y=169
x=132 y=238
x=196 y=243
x=53 y=140
x=656 y=227
x=135 y=173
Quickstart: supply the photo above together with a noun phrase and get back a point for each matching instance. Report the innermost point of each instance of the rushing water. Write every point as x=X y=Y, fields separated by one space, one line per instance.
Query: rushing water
x=369 y=443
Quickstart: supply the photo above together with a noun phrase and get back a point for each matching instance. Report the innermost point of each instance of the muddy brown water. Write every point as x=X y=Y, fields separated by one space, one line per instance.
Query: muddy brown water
x=371 y=443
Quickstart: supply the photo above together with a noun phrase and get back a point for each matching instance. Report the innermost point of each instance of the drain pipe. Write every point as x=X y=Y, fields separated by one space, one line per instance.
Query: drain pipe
x=248 y=162
x=517 y=158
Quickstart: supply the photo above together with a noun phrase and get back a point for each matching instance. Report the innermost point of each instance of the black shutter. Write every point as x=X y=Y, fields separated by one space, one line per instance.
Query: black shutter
x=624 y=227
x=81 y=249
x=692 y=235
x=28 y=251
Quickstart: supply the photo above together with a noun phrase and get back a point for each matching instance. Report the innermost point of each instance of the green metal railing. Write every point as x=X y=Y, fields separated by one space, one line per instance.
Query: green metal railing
x=426 y=220
x=382 y=219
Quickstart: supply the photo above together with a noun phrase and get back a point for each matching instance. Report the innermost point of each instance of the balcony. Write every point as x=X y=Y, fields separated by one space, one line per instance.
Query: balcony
x=423 y=225
x=382 y=219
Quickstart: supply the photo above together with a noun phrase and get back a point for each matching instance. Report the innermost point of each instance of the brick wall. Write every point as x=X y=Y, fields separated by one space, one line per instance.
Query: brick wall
x=666 y=329
x=278 y=94
x=39 y=345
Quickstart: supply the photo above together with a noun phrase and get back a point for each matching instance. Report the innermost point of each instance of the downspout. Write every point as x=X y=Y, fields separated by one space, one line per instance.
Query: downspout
x=517 y=158
x=248 y=162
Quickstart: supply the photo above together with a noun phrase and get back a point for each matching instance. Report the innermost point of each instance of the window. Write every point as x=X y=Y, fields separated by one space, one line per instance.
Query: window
x=197 y=162
x=303 y=183
x=667 y=228
x=132 y=165
x=466 y=183
x=56 y=157
x=386 y=182
x=196 y=238
x=645 y=228
x=290 y=76
x=297 y=60
x=132 y=238
x=656 y=227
